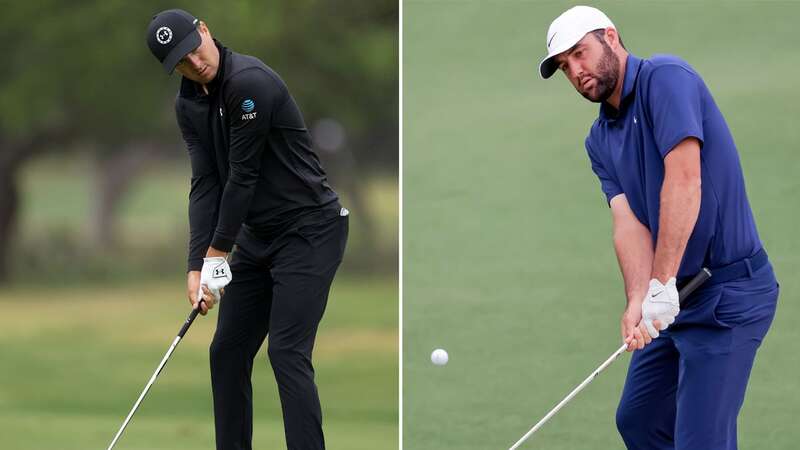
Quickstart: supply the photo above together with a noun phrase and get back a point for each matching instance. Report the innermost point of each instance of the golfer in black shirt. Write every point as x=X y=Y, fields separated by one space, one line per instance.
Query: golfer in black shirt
x=256 y=183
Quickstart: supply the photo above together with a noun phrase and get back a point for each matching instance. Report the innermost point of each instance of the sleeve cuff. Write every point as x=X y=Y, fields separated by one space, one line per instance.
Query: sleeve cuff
x=195 y=264
x=222 y=243
x=680 y=137
x=610 y=196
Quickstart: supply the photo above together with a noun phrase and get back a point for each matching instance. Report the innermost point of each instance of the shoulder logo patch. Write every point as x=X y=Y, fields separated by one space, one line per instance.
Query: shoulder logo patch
x=248 y=106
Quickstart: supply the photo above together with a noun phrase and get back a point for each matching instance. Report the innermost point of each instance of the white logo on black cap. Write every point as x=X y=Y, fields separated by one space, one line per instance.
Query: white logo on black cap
x=164 y=35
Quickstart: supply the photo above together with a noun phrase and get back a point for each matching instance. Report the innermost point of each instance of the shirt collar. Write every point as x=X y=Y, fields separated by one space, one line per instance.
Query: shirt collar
x=632 y=65
x=223 y=53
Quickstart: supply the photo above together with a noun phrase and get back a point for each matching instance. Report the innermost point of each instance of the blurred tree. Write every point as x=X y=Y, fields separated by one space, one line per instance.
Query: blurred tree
x=79 y=75
x=340 y=59
x=76 y=77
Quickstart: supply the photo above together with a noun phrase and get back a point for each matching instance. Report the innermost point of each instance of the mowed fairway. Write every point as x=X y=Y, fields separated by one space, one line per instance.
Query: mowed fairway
x=73 y=361
x=508 y=262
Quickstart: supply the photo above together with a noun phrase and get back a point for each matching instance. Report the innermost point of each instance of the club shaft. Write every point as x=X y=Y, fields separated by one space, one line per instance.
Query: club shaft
x=160 y=367
x=695 y=282
x=146 y=389
x=569 y=397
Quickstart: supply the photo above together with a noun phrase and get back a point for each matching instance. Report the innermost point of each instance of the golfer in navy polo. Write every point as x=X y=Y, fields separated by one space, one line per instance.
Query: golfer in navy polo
x=670 y=171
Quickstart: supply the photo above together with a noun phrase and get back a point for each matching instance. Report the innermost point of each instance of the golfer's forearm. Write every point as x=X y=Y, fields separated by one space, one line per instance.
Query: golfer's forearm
x=245 y=157
x=634 y=247
x=680 y=206
x=203 y=210
x=235 y=204
x=633 y=243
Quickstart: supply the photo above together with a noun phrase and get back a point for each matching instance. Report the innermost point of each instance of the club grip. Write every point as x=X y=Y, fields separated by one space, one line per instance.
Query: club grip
x=189 y=320
x=693 y=284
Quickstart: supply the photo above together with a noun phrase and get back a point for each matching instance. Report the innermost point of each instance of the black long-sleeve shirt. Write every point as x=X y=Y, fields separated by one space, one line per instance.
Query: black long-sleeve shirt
x=251 y=156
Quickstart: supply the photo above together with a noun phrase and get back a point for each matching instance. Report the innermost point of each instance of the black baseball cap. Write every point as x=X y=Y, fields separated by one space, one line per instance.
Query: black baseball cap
x=171 y=35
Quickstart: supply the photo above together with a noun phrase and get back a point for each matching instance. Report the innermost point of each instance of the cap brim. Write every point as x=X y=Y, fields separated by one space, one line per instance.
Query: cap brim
x=189 y=43
x=547 y=67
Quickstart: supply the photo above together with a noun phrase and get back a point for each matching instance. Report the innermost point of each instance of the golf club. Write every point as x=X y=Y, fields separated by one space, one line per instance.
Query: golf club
x=161 y=365
x=698 y=279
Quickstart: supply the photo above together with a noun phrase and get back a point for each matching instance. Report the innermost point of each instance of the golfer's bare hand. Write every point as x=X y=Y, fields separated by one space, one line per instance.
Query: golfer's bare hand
x=208 y=300
x=634 y=333
x=193 y=288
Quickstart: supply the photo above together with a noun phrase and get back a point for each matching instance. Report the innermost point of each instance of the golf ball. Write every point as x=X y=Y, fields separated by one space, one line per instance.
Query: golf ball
x=439 y=357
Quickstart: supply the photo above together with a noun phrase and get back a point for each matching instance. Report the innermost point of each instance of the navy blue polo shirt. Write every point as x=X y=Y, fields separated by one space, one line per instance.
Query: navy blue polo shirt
x=664 y=101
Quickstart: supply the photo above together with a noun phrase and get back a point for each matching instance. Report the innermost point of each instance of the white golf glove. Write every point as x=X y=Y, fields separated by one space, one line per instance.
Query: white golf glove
x=215 y=275
x=660 y=303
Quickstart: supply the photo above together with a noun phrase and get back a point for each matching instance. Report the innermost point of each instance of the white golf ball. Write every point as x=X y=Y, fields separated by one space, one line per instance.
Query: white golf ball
x=439 y=357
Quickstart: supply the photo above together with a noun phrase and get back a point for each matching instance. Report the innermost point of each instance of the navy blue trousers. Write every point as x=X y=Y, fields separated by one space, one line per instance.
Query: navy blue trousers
x=684 y=390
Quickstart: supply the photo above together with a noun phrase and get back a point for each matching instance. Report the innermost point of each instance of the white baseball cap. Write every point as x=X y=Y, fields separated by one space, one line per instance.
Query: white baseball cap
x=569 y=28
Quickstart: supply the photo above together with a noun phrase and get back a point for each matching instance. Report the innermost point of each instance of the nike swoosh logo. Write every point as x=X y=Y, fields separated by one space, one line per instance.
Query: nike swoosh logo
x=551 y=39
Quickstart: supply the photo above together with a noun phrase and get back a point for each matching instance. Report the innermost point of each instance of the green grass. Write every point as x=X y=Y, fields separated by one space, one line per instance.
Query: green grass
x=74 y=361
x=507 y=235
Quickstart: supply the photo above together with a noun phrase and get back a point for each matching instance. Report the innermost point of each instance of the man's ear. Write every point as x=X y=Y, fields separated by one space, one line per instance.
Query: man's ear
x=612 y=38
x=203 y=28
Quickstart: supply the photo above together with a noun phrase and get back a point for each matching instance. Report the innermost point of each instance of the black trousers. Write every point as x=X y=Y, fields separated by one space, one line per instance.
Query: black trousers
x=279 y=288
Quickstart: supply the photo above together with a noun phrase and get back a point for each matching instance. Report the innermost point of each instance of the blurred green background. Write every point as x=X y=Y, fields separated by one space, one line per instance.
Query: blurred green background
x=507 y=234
x=94 y=185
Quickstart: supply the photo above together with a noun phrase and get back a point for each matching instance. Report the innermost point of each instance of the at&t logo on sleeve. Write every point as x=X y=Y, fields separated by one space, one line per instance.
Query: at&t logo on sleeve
x=248 y=107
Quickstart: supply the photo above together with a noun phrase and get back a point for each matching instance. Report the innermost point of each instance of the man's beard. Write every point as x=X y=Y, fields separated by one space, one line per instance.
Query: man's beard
x=607 y=76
